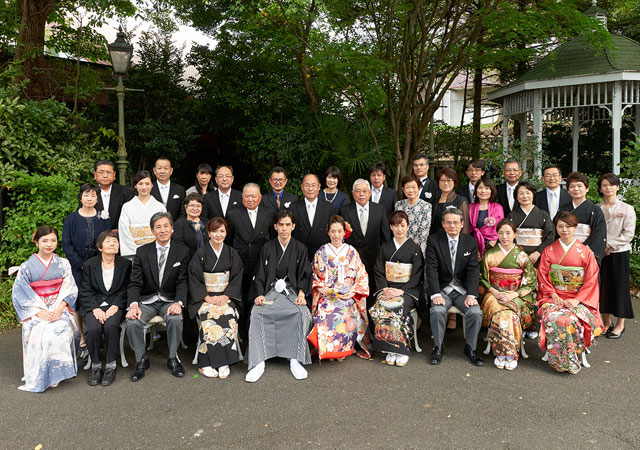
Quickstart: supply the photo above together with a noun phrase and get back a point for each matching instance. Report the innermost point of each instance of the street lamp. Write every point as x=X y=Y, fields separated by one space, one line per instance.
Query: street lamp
x=121 y=51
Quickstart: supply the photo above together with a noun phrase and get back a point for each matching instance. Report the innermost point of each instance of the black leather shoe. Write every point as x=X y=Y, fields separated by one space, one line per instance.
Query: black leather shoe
x=175 y=367
x=138 y=373
x=109 y=376
x=612 y=335
x=436 y=355
x=95 y=376
x=473 y=356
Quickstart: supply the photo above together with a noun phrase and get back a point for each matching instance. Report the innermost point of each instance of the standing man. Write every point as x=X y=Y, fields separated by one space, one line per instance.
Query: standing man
x=112 y=196
x=475 y=171
x=278 y=198
x=429 y=190
x=370 y=225
x=171 y=195
x=506 y=191
x=453 y=274
x=217 y=203
x=381 y=194
x=553 y=198
x=250 y=226
x=158 y=287
x=312 y=216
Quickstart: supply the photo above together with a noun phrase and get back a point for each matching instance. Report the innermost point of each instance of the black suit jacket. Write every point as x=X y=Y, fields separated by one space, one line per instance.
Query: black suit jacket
x=93 y=292
x=119 y=196
x=563 y=205
x=212 y=207
x=269 y=200
x=503 y=200
x=144 y=274
x=175 y=200
x=438 y=264
x=378 y=232
x=465 y=192
x=430 y=192
x=184 y=234
x=388 y=199
x=245 y=239
x=312 y=236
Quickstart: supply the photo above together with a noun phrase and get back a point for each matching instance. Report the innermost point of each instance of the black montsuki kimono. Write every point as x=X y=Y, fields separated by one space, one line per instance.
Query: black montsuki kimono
x=591 y=216
x=537 y=219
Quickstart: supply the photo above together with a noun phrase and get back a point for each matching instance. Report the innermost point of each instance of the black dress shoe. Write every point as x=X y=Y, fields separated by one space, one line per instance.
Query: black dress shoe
x=473 y=356
x=95 y=376
x=109 y=376
x=436 y=355
x=175 y=367
x=138 y=372
x=609 y=330
x=613 y=335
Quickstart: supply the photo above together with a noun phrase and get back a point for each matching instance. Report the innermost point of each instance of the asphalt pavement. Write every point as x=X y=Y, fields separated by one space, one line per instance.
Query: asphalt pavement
x=354 y=404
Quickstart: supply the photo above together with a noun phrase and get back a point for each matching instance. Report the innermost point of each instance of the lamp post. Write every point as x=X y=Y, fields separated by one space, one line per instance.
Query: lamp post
x=121 y=51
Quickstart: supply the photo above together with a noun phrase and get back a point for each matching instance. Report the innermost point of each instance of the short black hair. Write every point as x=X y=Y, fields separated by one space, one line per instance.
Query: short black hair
x=139 y=176
x=477 y=163
x=420 y=156
x=87 y=187
x=334 y=172
x=164 y=158
x=378 y=166
x=282 y=214
x=278 y=169
x=160 y=215
x=104 y=162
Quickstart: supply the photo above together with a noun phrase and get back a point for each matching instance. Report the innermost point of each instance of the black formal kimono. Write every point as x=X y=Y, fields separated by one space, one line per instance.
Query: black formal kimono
x=455 y=200
x=592 y=227
x=209 y=275
x=185 y=233
x=175 y=199
x=280 y=327
x=286 y=199
x=212 y=207
x=535 y=230
x=542 y=202
x=118 y=196
x=316 y=235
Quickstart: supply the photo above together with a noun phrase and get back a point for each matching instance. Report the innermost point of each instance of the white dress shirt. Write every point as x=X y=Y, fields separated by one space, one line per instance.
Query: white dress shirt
x=311 y=209
x=376 y=194
x=364 y=219
x=553 y=200
x=224 y=200
x=164 y=191
x=253 y=215
x=510 y=194
x=106 y=198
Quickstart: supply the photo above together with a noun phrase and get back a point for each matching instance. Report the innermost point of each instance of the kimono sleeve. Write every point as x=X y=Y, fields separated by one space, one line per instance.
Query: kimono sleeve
x=417 y=272
x=260 y=278
x=548 y=232
x=529 y=275
x=127 y=244
x=545 y=286
x=303 y=269
x=68 y=291
x=379 y=274
x=234 y=288
x=597 y=240
x=197 y=287
x=25 y=301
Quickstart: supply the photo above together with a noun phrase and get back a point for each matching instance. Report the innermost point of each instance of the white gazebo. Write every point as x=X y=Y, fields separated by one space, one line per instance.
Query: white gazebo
x=579 y=82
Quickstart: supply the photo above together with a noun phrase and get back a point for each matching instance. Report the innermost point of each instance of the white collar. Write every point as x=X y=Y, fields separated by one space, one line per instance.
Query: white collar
x=556 y=190
x=567 y=247
x=398 y=245
x=365 y=207
x=284 y=249
x=505 y=252
x=308 y=203
x=158 y=246
x=512 y=187
x=218 y=253
x=106 y=192
x=224 y=195
x=472 y=186
x=251 y=211
x=164 y=186
x=449 y=238
x=377 y=189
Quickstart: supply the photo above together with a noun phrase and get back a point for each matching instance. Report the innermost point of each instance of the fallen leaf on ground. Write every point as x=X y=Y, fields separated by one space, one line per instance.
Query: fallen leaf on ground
x=468 y=374
x=38 y=447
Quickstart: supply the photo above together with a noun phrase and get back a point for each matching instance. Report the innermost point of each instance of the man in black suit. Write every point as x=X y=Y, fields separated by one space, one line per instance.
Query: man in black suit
x=278 y=198
x=250 y=226
x=381 y=194
x=506 y=191
x=453 y=274
x=312 y=216
x=112 y=196
x=370 y=225
x=171 y=195
x=475 y=171
x=553 y=198
x=429 y=190
x=219 y=202
x=158 y=287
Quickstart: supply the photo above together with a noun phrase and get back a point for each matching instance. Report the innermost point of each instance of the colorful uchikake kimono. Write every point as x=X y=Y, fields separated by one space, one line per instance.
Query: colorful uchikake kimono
x=401 y=268
x=339 y=322
x=512 y=272
x=566 y=332
x=48 y=348
x=209 y=275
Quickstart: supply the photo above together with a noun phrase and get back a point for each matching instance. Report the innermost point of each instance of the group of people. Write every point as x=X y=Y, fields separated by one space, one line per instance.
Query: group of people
x=275 y=275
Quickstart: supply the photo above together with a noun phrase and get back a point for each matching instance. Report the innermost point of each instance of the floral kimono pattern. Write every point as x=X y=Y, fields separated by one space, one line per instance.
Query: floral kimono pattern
x=339 y=322
x=48 y=347
x=512 y=272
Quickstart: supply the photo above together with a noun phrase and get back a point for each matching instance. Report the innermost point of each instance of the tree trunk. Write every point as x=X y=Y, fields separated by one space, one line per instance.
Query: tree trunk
x=477 y=112
x=30 y=46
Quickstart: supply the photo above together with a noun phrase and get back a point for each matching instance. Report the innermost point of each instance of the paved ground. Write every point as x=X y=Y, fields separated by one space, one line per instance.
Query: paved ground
x=351 y=404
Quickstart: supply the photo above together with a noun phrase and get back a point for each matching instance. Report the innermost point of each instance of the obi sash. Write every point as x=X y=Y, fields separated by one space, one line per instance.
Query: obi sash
x=529 y=237
x=583 y=231
x=505 y=279
x=141 y=234
x=390 y=304
x=396 y=272
x=566 y=278
x=216 y=282
x=48 y=289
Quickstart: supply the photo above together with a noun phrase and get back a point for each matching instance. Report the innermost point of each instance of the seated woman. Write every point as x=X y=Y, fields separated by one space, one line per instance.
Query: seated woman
x=568 y=298
x=484 y=215
x=215 y=295
x=133 y=226
x=340 y=289
x=191 y=230
x=399 y=272
x=102 y=302
x=44 y=297
x=509 y=279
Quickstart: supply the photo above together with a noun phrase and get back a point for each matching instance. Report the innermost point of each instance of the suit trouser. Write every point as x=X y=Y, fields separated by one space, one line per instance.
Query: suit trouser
x=111 y=329
x=135 y=328
x=472 y=315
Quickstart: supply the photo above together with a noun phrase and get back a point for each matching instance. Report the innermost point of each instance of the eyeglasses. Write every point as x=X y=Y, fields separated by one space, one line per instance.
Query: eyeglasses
x=105 y=172
x=512 y=170
x=278 y=180
x=552 y=175
x=442 y=180
x=223 y=177
x=310 y=185
x=195 y=206
x=361 y=191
